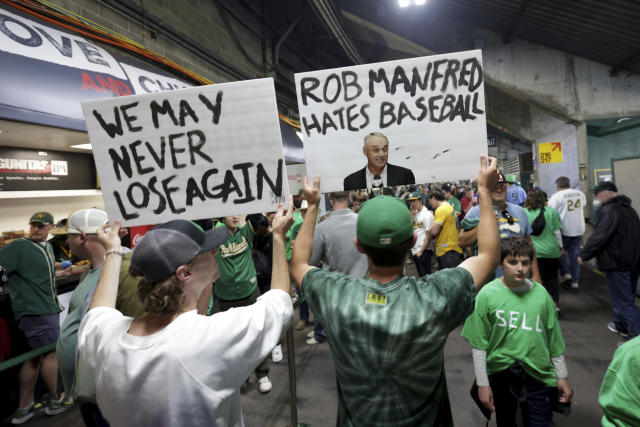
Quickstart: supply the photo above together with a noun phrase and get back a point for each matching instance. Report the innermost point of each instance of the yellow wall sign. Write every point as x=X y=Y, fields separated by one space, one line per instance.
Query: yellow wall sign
x=550 y=152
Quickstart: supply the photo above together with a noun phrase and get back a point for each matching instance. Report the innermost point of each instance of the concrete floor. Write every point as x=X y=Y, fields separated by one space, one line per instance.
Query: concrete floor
x=590 y=346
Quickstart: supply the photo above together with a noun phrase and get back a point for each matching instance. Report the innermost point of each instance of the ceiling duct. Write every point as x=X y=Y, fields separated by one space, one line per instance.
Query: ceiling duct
x=329 y=16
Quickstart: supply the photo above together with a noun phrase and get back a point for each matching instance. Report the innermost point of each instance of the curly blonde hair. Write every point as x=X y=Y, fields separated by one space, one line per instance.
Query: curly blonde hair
x=163 y=297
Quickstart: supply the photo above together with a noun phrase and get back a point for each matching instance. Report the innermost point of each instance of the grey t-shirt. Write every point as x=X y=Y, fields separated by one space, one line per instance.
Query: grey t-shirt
x=333 y=244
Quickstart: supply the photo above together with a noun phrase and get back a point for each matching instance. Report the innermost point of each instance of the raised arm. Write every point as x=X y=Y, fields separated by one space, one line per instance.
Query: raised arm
x=107 y=289
x=488 y=241
x=281 y=224
x=304 y=242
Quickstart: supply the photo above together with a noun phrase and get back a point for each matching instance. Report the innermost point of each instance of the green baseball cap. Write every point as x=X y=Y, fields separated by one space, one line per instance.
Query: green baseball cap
x=511 y=179
x=414 y=196
x=45 y=218
x=384 y=222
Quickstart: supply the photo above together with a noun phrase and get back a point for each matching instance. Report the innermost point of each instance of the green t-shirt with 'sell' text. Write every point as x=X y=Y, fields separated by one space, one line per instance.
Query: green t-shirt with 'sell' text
x=513 y=326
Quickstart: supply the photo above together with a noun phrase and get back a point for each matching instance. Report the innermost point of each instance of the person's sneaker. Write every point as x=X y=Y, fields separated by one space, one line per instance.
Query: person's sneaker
x=574 y=285
x=276 y=354
x=264 y=385
x=312 y=341
x=301 y=324
x=311 y=334
x=612 y=327
x=56 y=407
x=564 y=278
x=21 y=415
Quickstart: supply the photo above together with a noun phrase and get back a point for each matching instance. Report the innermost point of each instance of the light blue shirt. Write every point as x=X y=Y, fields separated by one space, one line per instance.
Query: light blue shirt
x=516 y=194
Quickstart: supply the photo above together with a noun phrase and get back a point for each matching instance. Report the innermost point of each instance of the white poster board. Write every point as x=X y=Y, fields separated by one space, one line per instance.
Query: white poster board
x=296 y=173
x=194 y=153
x=430 y=109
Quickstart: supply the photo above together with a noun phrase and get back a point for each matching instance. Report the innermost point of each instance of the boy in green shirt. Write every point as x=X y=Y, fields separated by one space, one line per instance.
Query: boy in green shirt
x=387 y=331
x=517 y=341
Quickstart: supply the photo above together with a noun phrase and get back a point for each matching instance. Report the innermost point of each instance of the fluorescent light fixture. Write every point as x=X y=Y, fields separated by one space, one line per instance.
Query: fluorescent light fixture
x=622 y=119
x=300 y=135
x=420 y=2
x=82 y=146
x=404 y=3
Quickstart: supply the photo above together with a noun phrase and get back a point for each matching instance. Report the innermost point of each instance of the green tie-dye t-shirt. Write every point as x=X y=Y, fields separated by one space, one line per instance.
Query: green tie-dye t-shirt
x=387 y=343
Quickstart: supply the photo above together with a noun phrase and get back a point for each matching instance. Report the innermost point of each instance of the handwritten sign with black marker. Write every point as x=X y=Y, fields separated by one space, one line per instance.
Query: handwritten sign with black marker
x=193 y=153
x=430 y=109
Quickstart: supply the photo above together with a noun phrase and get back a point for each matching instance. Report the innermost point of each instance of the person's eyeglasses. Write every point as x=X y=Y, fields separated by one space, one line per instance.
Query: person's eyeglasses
x=506 y=215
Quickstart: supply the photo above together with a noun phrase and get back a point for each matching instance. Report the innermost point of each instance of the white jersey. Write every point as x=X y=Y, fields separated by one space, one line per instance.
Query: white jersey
x=570 y=204
x=422 y=222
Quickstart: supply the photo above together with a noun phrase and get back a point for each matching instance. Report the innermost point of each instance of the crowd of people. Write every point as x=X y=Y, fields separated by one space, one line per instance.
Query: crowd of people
x=187 y=316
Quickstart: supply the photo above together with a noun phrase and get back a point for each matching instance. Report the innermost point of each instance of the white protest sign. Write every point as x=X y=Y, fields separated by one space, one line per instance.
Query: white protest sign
x=430 y=110
x=192 y=153
x=296 y=173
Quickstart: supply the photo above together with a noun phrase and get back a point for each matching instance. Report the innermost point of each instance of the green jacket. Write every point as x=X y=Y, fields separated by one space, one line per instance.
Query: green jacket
x=31 y=271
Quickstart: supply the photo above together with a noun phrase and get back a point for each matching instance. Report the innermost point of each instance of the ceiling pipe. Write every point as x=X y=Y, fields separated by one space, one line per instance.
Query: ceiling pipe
x=327 y=13
x=276 y=49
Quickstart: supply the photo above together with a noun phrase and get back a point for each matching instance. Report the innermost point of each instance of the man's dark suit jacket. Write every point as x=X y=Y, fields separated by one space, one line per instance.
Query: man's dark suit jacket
x=396 y=175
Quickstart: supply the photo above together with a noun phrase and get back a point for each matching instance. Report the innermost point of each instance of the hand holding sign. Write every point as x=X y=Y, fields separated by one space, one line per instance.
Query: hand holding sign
x=488 y=174
x=283 y=219
x=311 y=192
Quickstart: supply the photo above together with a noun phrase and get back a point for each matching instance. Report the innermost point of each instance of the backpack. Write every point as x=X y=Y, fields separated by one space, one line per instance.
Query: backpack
x=538 y=224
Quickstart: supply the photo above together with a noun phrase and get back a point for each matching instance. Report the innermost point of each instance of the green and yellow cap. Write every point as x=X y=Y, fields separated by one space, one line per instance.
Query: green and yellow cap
x=384 y=222
x=44 y=218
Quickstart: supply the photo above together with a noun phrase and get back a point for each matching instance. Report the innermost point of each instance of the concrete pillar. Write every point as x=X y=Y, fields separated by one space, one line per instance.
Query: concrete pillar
x=547 y=128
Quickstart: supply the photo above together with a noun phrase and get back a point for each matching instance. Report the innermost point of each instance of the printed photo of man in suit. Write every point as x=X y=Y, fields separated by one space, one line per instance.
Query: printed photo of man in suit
x=378 y=173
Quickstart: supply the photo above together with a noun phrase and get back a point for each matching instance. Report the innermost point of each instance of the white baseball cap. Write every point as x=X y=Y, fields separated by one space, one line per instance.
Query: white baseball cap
x=83 y=221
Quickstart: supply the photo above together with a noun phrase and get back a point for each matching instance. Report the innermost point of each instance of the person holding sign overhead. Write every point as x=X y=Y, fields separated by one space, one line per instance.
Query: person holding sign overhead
x=172 y=366
x=387 y=331
x=378 y=172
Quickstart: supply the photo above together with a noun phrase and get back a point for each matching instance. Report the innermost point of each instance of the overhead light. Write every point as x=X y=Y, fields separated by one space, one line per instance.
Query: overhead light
x=407 y=3
x=82 y=146
x=622 y=119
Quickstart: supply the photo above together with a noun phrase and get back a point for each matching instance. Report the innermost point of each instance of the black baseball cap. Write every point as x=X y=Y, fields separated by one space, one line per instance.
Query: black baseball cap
x=605 y=185
x=172 y=244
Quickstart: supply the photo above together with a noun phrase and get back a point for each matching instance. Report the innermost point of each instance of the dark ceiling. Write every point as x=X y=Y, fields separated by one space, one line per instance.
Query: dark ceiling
x=603 y=31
